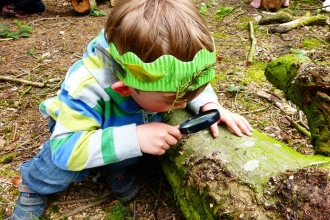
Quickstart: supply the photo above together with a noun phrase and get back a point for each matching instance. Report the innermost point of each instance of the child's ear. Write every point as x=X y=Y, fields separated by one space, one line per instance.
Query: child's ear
x=121 y=88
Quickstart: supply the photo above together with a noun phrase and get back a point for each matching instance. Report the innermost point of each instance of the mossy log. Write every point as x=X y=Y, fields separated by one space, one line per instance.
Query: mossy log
x=308 y=86
x=299 y=22
x=245 y=177
x=275 y=18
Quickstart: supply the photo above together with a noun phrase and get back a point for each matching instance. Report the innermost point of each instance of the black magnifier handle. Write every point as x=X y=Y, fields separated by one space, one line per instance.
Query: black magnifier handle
x=200 y=121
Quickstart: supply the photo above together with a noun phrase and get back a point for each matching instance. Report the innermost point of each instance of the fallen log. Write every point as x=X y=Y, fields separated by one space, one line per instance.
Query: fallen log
x=308 y=86
x=299 y=22
x=253 y=177
x=275 y=18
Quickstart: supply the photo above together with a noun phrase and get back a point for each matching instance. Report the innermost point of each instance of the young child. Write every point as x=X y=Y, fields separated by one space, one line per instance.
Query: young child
x=153 y=56
x=20 y=8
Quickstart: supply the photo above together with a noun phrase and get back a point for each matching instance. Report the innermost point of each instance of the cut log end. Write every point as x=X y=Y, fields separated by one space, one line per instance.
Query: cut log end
x=81 y=6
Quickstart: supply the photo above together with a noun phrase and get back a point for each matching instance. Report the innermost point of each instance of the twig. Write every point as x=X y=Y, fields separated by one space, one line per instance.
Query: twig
x=6 y=39
x=253 y=44
x=43 y=19
x=83 y=207
x=39 y=84
x=278 y=102
x=301 y=121
x=14 y=136
x=301 y=129
x=258 y=110
x=134 y=210
x=81 y=200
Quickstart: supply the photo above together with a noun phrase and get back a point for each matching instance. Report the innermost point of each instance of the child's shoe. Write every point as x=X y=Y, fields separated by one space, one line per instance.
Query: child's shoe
x=29 y=204
x=124 y=185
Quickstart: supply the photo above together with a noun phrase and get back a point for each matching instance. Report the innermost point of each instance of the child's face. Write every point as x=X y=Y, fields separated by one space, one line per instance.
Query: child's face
x=156 y=101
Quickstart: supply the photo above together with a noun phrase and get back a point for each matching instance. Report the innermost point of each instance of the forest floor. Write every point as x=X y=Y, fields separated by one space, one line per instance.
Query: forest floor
x=59 y=38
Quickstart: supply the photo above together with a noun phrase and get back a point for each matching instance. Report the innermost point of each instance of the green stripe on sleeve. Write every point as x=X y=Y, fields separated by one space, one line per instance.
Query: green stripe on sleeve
x=108 y=146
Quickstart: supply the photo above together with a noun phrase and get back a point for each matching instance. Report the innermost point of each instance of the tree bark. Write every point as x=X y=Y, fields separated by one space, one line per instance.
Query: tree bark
x=308 y=86
x=253 y=177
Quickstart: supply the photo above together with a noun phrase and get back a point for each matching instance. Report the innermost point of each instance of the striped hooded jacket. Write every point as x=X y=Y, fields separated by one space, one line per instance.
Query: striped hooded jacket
x=94 y=124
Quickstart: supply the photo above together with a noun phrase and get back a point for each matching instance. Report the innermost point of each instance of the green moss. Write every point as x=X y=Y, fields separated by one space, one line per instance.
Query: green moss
x=309 y=2
x=219 y=35
x=7 y=158
x=311 y=43
x=7 y=130
x=281 y=71
x=7 y=171
x=245 y=19
x=243 y=26
x=7 y=102
x=255 y=73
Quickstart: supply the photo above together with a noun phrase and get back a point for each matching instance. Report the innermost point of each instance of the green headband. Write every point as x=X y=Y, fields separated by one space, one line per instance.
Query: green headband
x=167 y=73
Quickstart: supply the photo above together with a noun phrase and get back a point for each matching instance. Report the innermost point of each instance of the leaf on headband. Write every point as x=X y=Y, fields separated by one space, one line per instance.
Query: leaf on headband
x=141 y=74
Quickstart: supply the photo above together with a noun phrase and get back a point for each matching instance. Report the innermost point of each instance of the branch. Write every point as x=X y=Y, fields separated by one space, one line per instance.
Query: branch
x=67 y=202
x=39 y=84
x=82 y=208
x=278 y=102
x=253 y=45
x=301 y=129
x=97 y=200
x=303 y=21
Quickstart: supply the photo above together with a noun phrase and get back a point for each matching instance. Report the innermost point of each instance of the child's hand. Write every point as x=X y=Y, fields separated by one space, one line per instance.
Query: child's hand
x=155 y=138
x=235 y=122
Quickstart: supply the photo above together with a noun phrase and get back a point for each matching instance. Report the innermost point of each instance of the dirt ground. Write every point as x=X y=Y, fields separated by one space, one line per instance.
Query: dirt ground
x=58 y=39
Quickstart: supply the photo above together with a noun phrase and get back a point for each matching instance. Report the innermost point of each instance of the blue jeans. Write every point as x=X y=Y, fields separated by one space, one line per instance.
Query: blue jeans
x=44 y=177
x=29 y=5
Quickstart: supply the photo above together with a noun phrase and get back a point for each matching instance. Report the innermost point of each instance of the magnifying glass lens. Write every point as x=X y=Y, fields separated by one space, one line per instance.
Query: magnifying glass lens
x=200 y=121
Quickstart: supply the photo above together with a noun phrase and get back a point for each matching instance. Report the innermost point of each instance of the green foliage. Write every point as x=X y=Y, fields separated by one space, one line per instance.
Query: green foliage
x=223 y=11
x=234 y=89
x=7 y=158
x=118 y=212
x=31 y=51
x=53 y=209
x=96 y=12
x=23 y=30
x=203 y=9
x=300 y=54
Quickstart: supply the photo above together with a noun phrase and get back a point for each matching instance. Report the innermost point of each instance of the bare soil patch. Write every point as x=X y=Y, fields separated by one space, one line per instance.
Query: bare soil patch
x=59 y=38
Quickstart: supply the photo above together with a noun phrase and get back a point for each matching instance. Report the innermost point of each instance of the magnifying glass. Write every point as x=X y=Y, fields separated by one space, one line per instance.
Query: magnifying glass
x=200 y=121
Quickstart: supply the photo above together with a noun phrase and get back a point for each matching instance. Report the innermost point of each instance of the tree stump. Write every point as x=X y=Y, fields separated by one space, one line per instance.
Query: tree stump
x=83 y=6
x=253 y=177
x=308 y=86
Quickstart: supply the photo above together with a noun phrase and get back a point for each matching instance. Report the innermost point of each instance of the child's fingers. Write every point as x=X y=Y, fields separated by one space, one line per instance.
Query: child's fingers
x=214 y=130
